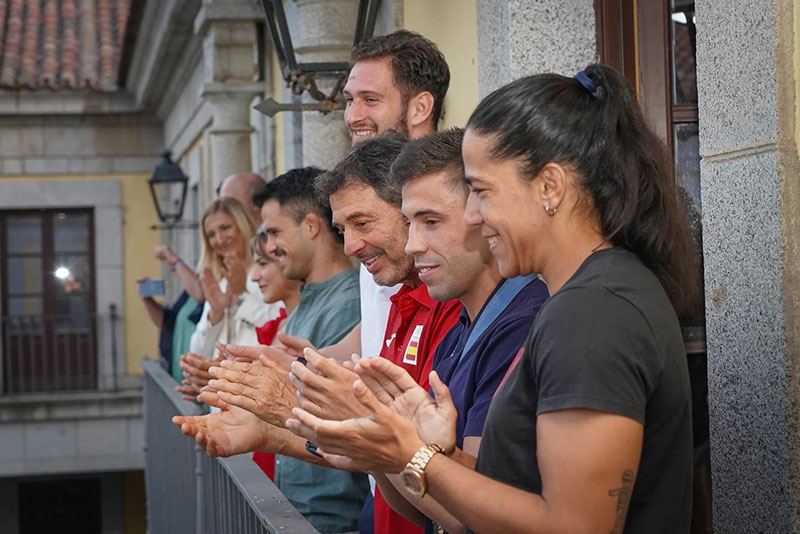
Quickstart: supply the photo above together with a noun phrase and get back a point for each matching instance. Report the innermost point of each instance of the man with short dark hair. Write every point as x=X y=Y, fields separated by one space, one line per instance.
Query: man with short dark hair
x=300 y=236
x=298 y=226
x=366 y=208
x=454 y=262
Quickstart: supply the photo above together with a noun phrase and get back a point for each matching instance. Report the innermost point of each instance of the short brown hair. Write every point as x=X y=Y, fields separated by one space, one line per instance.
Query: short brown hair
x=417 y=65
x=433 y=153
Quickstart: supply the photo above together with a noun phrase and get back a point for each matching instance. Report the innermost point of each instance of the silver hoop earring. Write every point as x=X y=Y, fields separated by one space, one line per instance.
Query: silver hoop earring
x=550 y=212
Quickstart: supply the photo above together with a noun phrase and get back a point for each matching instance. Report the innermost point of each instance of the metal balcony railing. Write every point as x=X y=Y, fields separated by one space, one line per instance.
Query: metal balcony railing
x=188 y=492
x=59 y=353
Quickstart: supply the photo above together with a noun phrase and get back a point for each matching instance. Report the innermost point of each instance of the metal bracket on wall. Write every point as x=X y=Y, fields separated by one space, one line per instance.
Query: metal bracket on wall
x=180 y=225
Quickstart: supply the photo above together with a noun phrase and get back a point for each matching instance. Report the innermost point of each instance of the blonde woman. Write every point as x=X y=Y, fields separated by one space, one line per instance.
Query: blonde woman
x=234 y=305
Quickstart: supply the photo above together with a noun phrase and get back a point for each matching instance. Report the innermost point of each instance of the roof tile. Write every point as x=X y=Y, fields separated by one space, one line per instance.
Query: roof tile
x=62 y=44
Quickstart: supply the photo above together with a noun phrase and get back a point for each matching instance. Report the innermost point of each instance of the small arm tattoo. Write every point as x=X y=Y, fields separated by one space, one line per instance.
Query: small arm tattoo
x=623 y=495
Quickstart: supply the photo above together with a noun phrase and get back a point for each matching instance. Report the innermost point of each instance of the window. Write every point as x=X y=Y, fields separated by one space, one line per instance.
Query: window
x=48 y=315
x=653 y=43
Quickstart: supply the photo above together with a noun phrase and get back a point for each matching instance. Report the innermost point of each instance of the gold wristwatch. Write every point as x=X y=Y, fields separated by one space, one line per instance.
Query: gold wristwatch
x=414 y=473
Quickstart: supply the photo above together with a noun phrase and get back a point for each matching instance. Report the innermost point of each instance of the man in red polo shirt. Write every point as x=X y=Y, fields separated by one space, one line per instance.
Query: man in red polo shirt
x=366 y=210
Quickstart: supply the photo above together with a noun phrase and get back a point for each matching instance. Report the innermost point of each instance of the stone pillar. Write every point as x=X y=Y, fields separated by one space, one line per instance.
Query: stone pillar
x=518 y=37
x=323 y=31
x=751 y=200
x=228 y=30
x=231 y=129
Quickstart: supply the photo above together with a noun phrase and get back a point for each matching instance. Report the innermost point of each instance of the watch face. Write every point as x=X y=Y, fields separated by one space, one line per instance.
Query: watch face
x=413 y=482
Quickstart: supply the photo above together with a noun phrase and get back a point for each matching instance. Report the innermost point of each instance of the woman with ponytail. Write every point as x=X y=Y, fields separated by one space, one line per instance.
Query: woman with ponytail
x=590 y=430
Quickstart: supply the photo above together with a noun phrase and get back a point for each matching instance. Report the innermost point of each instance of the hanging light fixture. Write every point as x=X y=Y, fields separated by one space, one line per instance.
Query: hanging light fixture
x=300 y=76
x=168 y=187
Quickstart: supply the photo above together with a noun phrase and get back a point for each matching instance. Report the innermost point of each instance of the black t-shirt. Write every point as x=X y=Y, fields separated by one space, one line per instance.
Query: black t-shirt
x=608 y=340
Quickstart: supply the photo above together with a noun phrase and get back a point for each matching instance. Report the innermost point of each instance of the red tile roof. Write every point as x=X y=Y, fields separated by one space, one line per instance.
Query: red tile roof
x=62 y=44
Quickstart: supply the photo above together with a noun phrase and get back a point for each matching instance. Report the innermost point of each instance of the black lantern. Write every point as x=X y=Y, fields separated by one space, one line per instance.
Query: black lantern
x=300 y=76
x=168 y=186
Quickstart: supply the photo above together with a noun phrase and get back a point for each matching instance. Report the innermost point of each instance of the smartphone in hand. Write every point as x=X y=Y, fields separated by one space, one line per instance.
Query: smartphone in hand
x=152 y=287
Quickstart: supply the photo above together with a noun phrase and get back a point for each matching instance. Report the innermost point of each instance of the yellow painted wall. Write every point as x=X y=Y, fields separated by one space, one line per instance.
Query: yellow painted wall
x=138 y=242
x=453 y=26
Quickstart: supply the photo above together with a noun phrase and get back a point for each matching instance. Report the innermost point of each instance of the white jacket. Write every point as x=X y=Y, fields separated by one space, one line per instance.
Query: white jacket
x=238 y=325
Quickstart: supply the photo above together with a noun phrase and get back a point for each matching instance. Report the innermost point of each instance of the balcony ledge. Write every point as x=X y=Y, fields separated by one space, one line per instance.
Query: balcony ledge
x=71 y=406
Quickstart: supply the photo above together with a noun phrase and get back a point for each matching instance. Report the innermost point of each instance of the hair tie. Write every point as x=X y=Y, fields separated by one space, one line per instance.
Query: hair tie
x=586 y=82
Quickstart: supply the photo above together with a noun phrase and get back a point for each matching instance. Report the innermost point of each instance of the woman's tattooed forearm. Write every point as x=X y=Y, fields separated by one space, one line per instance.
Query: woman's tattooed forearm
x=623 y=495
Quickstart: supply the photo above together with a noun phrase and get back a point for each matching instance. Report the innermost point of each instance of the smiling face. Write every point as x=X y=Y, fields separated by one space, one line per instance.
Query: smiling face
x=287 y=241
x=223 y=236
x=267 y=273
x=374 y=233
x=502 y=204
x=449 y=255
x=373 y=104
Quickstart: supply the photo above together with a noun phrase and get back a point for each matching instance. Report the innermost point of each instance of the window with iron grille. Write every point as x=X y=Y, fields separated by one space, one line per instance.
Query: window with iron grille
x=48 y=303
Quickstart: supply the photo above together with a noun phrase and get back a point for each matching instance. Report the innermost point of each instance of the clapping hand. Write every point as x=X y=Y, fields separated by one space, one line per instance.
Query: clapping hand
x=195 y=374
x=393 y=386
x=228 y=432
x=263 y=390
x=217 y=300
x=235 y=272
x=325 y=388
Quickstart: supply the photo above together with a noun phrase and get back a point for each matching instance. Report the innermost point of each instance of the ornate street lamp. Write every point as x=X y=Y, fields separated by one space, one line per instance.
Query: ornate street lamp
x=168 y=186
x=300 y=76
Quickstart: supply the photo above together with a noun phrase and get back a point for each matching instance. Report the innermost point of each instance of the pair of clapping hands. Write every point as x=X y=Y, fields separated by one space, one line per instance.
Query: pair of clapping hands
x=254 y=378
x=366 y=415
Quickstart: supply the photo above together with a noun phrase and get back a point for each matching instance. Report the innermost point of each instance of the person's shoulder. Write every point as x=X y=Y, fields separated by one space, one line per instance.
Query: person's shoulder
x=529 y=300
x=349 y=278
x=577 y=300
x=611 y=267
x=345 y=281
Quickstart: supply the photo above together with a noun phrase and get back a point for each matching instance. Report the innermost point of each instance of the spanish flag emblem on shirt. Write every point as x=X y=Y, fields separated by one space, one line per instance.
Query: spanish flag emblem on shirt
x=410 y=356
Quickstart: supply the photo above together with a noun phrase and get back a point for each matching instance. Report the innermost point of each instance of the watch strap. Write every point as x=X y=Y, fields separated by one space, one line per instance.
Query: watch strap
x=421 y=458
x=416 y=466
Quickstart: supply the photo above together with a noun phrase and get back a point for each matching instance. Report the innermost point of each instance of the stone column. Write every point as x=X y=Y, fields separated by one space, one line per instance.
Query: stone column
x=751 y=200
x=323 y=31
x=518 y=37
x=228 y=30
x=231 y=129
